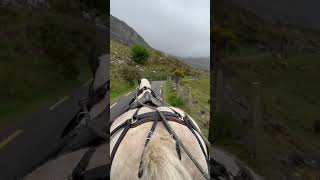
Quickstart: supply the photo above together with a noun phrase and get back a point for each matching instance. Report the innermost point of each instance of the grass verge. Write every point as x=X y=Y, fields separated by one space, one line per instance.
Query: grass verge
x=119 y=88
x=197 y=106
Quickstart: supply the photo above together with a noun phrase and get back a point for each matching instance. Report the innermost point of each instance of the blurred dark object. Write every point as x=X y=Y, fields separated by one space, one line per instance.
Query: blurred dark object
x=316 y=126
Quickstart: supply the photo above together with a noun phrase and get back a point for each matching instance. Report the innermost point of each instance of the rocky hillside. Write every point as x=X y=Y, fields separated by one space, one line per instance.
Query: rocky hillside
x=123 y=33
x=159 y=65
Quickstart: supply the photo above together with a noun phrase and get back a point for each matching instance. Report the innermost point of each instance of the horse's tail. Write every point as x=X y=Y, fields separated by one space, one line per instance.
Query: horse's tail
x=161 y=162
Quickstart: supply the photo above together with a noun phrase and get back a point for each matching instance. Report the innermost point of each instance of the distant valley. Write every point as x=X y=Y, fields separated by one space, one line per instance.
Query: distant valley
x=197 y=62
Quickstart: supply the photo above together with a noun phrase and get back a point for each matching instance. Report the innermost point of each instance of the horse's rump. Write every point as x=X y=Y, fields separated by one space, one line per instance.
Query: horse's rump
x=161 y=149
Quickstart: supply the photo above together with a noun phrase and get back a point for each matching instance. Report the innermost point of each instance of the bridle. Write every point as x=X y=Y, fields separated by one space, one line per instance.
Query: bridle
x=135 y=121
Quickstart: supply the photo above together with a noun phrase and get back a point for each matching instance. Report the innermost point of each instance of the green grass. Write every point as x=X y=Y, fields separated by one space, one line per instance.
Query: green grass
x=119 y=88
x=290 y=95
x=43 y=56
x=200 y=107
x=200 y=92
x=171 y=97
x=157 y=67
x=290 y=92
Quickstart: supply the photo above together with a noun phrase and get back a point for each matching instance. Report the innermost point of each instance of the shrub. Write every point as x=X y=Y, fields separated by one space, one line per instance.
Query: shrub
x=130 y=74
x=178 y=74
x=139 y=54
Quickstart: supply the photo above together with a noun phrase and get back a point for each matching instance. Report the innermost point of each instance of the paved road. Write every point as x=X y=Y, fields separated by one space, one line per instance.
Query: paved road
x=34 y=139
x=122 y=104
x=31 y=140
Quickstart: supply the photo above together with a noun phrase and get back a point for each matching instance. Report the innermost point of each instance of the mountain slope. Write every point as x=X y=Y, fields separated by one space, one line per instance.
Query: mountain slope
x=197 y=62
x=123 y=33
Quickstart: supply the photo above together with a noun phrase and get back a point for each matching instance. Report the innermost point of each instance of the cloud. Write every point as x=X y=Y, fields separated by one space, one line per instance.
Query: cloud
x=178 y=27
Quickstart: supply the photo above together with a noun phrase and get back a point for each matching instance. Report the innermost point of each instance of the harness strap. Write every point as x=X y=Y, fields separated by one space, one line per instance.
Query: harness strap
x=178 y=114
x=124 y=132
x=147 y=117
x=98 y=173
x=137 y=123
x=167 y=125
x=198 y=139
x=150 y=119
x=134 y=118
x=119 y=127
x=195 y=129
x=77 y=173
x=177 y=144
x=150 y=114
x=153 y=127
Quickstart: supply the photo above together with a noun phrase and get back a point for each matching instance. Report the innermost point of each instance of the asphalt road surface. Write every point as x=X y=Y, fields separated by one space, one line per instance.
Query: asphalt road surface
x=33 y=139
x=122 y=104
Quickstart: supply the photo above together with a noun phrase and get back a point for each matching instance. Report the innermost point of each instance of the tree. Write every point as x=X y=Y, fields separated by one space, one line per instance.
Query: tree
x=139 y=54
x=178 y=74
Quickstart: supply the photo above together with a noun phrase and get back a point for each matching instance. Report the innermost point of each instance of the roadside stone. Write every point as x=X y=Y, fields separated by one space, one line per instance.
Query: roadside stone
x=195 y=102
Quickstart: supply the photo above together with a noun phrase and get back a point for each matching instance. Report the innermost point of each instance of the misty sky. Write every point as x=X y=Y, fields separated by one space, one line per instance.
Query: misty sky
x=177 y=27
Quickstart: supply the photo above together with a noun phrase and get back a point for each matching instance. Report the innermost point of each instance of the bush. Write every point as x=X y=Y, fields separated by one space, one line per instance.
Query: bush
x=178 y=74
x=139 y=54
x=130 y=74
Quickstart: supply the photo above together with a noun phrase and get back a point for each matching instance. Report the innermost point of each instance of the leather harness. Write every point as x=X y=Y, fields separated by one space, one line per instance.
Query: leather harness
x=137 y=120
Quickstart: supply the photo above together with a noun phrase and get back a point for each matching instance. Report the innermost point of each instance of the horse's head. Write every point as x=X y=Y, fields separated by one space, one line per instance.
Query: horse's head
x=144 y=87
x=144 y=83
x=145 y=95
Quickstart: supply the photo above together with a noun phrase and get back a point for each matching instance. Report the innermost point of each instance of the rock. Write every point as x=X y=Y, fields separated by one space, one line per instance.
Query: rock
x=195 y=102
x=203 y=112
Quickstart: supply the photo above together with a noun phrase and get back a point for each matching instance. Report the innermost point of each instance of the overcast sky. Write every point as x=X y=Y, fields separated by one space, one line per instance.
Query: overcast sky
x=177 y=27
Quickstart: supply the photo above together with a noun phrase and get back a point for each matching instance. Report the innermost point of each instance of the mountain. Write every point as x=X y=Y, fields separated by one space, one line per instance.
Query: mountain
x=197 y=62
x=300 y=13
x=123 y=33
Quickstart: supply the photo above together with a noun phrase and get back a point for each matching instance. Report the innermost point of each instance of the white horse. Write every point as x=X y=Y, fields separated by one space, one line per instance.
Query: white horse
x=159 y=159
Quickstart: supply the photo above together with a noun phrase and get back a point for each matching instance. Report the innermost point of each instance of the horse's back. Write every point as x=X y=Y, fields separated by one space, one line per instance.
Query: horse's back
x=128 y=156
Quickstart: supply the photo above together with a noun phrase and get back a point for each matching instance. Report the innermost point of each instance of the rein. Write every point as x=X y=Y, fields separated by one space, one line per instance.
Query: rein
x=165 y=122
x=130 y=123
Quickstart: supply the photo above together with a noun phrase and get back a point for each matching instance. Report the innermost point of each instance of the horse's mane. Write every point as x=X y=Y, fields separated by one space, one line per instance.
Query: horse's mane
x=160 y=160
